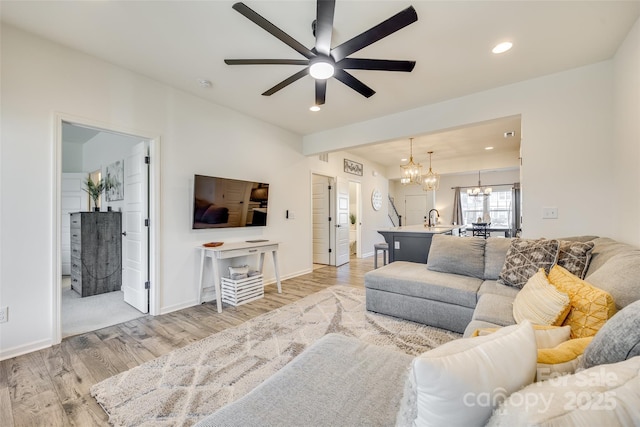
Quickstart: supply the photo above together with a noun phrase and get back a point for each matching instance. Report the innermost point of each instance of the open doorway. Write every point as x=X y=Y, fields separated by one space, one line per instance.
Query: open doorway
x=105 y=253
x=355 y=219
x=330 y=220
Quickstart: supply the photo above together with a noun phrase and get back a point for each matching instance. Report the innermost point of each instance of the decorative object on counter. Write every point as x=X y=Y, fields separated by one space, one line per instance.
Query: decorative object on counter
x=479 y=190
x=431 y=180
x=115 y=178
x=212 y=244
x=352 y=167
x=411 y=173
x=95 y=189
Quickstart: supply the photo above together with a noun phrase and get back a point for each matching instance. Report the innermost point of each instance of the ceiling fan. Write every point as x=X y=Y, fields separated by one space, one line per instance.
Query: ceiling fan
x=323 y=62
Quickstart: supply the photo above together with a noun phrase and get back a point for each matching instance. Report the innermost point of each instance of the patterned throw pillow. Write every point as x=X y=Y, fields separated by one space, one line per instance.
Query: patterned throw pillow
x=575 y=256
x=525 y=257
x=590 y=307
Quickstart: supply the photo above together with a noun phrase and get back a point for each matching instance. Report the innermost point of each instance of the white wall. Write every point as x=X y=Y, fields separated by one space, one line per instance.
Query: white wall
x=72 y=157
x=624 y=210
x=567 y=135
x=371 y=178
x=195 y=136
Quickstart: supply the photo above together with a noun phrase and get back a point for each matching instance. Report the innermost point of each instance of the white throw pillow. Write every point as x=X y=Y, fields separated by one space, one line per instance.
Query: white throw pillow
x=461 y=382
x=540 y=302
x=546 y=336
x=605 y=395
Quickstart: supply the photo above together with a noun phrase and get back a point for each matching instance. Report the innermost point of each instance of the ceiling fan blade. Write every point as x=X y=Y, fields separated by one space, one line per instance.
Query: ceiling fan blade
x=286 y=82
x=266 y=61
x=324 y=25
x=354 y=83
x=272 y=29
x=376 y=64
x=372 y=35
x=321 y=91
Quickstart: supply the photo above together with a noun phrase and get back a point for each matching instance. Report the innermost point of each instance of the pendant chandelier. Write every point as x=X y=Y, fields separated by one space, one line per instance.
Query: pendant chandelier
x=431 y=180
x=411 y=173
x=479 y=190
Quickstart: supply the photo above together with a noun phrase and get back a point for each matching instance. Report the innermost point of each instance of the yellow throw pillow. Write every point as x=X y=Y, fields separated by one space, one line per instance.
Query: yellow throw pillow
x=540 y=302
x=561 y=360
x=590 y=307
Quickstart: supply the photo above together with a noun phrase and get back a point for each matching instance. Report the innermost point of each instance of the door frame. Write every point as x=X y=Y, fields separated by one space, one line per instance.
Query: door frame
x=154 y=213
x=358 y=203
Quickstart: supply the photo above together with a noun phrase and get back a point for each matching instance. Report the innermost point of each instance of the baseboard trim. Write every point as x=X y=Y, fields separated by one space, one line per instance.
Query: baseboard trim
x=271 y=281
x=24 y=349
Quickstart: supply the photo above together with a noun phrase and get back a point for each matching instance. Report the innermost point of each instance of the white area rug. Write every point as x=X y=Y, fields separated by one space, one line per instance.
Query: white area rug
x=183 y=386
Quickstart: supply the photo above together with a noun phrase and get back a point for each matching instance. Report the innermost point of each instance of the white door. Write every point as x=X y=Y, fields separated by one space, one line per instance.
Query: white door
x=321 y=213
x=342 y=221
x=72 y=199
x=136 y=232
x=415 y=209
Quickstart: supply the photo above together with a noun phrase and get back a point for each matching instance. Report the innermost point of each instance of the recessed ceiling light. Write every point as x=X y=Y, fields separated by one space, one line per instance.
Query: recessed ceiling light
x=502 y=47
x=314 y=108
x=403 y=160
x=204 y=83
x=488 y=148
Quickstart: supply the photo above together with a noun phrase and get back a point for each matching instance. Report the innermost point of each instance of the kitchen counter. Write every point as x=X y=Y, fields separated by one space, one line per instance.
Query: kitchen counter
x=412 y=242
x=438 y=229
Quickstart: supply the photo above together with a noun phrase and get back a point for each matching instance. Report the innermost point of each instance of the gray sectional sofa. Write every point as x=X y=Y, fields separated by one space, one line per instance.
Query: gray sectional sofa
x=344 y=381
x=464 y=294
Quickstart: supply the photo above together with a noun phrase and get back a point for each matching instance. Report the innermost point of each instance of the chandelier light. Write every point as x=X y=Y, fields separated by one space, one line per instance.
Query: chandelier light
x=479 y=190
x=411 y=173
x=431 y=180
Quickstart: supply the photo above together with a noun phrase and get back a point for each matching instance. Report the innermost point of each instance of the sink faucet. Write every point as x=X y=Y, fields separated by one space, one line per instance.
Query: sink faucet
x=433 y=221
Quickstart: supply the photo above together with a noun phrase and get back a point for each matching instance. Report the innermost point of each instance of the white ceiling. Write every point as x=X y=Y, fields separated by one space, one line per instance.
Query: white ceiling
x=454 y=150
x=178 y=42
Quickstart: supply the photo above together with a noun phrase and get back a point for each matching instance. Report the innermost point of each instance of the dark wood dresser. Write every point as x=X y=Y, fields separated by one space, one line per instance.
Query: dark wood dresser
x=96 y=252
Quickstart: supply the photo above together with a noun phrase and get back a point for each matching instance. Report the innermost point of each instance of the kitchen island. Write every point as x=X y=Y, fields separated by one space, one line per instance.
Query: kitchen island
x=412 y=242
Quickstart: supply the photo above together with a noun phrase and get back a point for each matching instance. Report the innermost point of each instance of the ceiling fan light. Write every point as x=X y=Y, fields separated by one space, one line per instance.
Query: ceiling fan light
x=321 y=70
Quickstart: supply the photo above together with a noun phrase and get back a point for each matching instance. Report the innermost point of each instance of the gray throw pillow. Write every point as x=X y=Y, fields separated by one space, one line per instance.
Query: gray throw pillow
x=525 y=257
x=617 y=340
x=575 y=257
x=457 y=255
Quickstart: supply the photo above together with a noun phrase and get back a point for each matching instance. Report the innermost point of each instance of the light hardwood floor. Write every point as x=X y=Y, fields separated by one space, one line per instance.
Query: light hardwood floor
x=51 y=387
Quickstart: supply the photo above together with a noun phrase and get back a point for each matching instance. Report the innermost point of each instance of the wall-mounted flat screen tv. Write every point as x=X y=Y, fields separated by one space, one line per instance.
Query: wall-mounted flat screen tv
x=222 y=202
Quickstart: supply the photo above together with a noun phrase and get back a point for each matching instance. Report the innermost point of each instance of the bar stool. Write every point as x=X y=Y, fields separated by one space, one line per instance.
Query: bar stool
x=384 y=247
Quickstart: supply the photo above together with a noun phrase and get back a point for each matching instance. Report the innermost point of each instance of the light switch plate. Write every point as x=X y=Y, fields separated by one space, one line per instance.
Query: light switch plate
x=396 y=245
x=549 y=213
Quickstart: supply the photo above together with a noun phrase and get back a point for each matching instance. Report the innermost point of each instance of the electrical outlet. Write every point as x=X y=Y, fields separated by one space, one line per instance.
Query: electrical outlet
x=549 y=213
x=4 y=314
x=396 y=245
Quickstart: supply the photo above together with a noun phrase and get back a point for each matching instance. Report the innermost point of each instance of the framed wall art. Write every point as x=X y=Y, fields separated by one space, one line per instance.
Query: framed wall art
x=115 y=178
x=352 y=167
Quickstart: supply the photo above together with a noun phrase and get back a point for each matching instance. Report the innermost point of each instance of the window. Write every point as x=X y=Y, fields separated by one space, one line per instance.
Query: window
x=498 y=206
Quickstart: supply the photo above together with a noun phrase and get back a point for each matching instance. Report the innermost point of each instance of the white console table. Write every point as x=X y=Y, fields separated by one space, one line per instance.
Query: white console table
x=234 y=250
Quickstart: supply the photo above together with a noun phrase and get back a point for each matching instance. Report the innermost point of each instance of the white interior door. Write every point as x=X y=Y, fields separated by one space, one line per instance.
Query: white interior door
x=415 y=209
x=342 y=221
x=321 y=213
x=72 y=199
x=136 y=232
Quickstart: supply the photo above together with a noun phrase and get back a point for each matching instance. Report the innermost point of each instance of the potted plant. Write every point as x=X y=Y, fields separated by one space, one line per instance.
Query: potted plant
x=95 y=189
x=352 y=217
